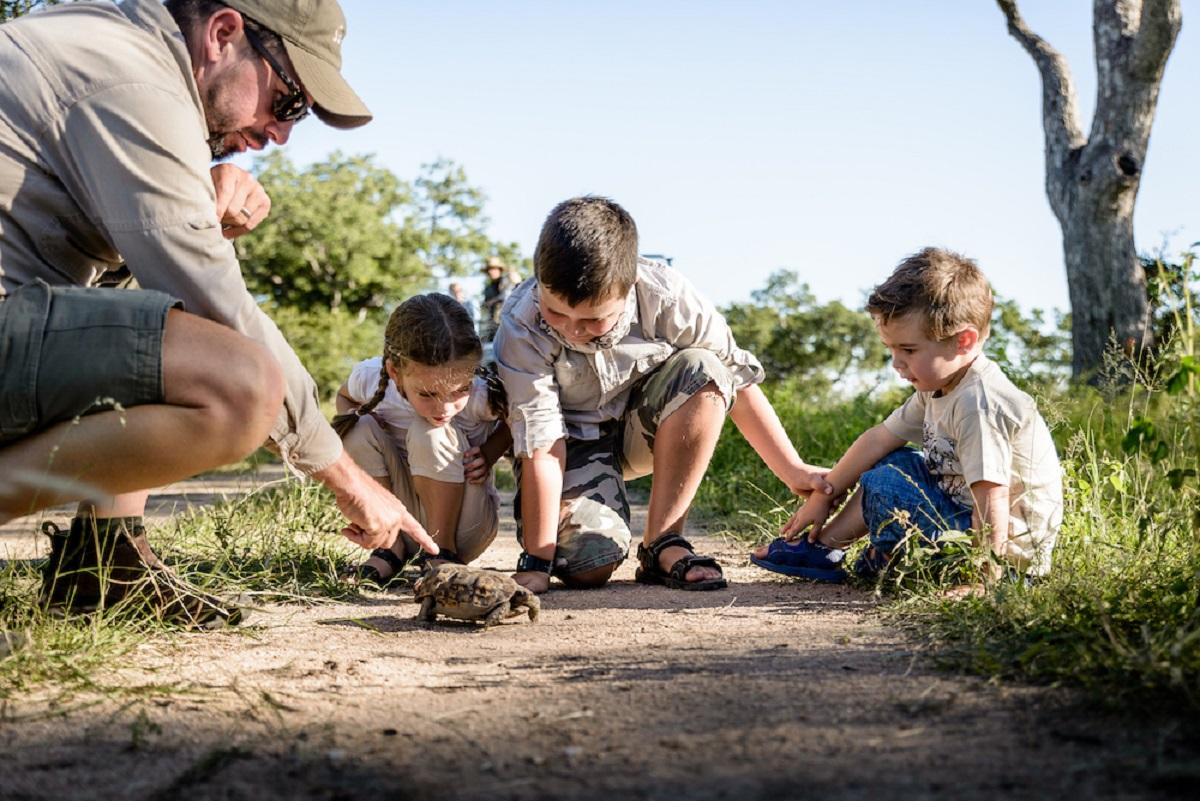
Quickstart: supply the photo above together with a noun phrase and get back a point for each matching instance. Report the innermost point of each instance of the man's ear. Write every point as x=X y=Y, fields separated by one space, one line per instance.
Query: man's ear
x=221 y=35
x=966 y=339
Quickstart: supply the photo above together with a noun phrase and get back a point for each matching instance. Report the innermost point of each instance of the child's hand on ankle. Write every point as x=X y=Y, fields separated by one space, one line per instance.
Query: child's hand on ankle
x=812 y=515
x=807 y=480
x=475 y=466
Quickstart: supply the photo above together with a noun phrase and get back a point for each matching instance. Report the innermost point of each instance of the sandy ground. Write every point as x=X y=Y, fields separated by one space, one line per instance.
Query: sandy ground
x=769 y=689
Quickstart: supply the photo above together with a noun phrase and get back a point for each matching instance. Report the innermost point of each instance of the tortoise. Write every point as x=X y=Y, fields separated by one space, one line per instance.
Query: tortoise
x=470 y=593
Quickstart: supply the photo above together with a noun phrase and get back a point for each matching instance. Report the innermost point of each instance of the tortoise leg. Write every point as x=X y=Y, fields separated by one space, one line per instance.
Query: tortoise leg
x=498 y=613
x=532 y=605
x=426 y=613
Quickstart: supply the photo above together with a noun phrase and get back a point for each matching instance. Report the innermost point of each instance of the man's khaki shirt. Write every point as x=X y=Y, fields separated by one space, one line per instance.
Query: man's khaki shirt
x=556 y=389
x=104 y=160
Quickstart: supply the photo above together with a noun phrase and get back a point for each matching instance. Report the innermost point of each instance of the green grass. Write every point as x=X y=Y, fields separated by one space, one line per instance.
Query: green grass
x=1119 y=613
x=277 y=544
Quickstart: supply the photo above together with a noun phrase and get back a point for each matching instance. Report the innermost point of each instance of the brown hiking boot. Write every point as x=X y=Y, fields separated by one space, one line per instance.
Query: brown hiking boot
x=107 y=563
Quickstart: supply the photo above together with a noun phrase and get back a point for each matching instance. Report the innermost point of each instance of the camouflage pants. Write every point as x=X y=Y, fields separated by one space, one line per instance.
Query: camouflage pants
x=593 y=527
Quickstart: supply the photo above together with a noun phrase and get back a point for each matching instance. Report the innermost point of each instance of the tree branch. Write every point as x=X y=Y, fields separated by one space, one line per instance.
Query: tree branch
x=1160 y=25
x=1133 y=39
x=1060 y=110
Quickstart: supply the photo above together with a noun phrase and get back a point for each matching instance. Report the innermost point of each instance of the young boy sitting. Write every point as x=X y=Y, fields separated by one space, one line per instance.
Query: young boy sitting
x=615 y=368
x=987 y=461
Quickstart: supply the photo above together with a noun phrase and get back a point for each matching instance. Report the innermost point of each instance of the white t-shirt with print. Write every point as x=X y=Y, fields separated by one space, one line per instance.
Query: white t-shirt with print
x=986 y=429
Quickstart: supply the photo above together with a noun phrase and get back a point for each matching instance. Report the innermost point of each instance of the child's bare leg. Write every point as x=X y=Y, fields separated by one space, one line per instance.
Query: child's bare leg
x=844 y=528
x=442 y=502
x=687 y=439
x=847 y=526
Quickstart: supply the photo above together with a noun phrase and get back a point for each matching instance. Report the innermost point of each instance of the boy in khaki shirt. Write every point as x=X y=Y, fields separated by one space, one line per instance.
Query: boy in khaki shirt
x=614 y=368
x=986 y=463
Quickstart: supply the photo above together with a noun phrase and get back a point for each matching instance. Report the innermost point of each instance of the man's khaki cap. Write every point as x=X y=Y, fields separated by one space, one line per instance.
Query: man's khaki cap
x=493 y=263
x=312 y=33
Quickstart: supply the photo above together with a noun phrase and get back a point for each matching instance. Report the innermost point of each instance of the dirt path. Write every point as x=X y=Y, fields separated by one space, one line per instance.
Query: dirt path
x=769 y=689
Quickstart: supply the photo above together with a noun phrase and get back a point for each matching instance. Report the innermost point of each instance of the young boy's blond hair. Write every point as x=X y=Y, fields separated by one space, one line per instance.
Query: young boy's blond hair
x=946 y=288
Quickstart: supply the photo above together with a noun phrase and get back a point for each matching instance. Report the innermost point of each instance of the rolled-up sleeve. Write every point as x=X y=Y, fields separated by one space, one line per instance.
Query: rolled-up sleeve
x=146 y=180
x=525 y=361
x=689 y=320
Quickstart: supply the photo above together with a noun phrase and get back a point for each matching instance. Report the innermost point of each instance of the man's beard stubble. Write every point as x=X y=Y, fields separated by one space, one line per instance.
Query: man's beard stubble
x=221 y=122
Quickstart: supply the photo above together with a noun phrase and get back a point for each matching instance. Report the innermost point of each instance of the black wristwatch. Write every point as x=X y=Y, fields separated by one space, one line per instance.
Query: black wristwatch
x=528 y=563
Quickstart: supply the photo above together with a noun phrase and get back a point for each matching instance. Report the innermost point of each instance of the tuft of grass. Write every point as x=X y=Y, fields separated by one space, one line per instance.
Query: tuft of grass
x=279 y=543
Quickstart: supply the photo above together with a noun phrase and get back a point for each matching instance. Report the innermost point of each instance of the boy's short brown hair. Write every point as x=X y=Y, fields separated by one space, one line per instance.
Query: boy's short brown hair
x=587 y=250
x=946 y=288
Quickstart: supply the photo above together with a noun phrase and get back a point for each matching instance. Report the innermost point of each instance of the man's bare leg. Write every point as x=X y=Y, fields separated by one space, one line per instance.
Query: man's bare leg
x=222 y=395
x=683 y=448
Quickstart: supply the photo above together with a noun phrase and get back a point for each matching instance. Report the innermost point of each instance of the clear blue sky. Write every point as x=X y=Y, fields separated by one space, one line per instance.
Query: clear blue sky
x=828 y=138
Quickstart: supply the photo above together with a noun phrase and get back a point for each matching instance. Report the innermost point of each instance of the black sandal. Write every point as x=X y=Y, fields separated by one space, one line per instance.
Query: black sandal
x=423 y=558
x=367 y=574
x=651 y=573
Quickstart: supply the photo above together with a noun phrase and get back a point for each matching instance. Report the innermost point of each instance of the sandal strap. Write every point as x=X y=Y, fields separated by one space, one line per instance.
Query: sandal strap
x=396 y=563
x=683 y=564
x=666 y=540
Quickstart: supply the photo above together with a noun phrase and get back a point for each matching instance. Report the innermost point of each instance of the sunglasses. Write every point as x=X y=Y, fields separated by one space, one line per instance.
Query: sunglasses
x=291 y=107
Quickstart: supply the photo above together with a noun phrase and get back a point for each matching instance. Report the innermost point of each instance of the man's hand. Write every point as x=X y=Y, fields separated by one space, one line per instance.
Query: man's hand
x=812 y=513
x=376 y=516
x=242 y=203
x=533 y=580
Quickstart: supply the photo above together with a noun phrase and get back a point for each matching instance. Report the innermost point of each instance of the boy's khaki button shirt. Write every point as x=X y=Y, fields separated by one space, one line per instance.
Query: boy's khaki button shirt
x=555 y=390
x=104 y=161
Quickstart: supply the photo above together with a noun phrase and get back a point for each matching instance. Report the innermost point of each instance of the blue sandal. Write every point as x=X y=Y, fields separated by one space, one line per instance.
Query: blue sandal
x=804 y=559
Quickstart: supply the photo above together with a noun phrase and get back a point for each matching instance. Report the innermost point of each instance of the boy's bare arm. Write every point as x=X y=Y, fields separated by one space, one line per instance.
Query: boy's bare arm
x=991 y=515
x=756 y=419
x=871 y=446
x=541 y=497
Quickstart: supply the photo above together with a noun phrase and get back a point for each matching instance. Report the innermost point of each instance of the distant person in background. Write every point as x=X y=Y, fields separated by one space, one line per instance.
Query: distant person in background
x=457 y=292
x=495 y=292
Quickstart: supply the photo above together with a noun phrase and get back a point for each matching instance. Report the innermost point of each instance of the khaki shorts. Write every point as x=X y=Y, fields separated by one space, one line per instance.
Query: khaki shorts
x=593 y=526
x=437 y=454
x=71 y=351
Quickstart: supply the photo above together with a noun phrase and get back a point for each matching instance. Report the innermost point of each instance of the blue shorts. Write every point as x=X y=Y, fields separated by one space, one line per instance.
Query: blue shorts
x=899 y=493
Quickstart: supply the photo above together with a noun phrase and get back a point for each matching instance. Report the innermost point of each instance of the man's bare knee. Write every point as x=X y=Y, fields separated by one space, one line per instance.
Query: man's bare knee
x=234 y=383
x=590 y=579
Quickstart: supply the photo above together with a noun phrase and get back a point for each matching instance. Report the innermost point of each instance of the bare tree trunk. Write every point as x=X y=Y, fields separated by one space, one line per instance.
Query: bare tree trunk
x=1092 y=182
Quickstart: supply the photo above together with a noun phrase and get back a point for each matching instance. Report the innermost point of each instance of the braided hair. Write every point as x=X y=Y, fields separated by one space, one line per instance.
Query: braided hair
x=431 y=329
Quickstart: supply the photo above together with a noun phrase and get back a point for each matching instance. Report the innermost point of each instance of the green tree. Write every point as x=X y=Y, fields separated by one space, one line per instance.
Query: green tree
x=335 y=239
x=449 y=220
x=1029 y=351
x=795 y=337
x=12 y=10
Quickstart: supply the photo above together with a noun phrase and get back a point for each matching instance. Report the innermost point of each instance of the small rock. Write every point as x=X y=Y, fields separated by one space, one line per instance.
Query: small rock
x=390 y=732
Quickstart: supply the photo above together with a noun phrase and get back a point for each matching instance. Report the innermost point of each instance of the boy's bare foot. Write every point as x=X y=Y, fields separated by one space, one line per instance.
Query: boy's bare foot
x=671 y=555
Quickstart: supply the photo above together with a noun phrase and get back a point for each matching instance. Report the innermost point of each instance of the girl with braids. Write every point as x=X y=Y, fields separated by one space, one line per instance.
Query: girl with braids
x=423 y=424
